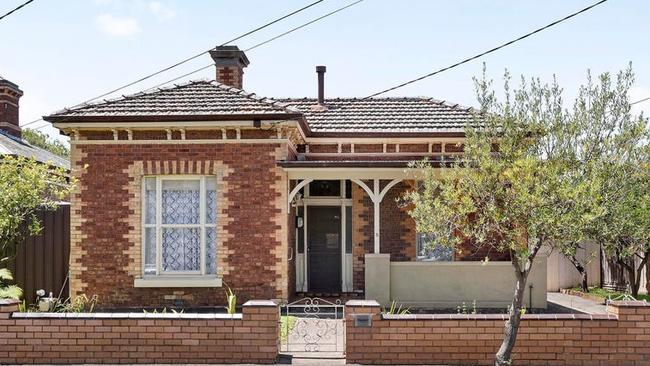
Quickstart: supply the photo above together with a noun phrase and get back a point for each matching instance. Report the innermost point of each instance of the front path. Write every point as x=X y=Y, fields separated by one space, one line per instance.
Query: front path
x=576 y=303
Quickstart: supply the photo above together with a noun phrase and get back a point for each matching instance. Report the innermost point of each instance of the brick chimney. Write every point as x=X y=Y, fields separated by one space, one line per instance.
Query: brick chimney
x=230 y=63
x=9 y=95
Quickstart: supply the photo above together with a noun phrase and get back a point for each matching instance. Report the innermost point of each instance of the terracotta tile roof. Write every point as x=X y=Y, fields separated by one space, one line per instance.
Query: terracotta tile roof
x=195 y=98
x=384 y=115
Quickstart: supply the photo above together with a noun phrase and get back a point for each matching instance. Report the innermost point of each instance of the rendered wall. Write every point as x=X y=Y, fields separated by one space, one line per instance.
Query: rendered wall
x=449 y=284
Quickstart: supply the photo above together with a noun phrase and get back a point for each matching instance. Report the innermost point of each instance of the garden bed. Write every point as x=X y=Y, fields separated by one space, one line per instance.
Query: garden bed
x=550 y=310
x=600 y=295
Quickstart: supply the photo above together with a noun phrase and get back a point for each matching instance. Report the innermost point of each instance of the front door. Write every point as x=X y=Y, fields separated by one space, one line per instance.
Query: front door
x=324 y=248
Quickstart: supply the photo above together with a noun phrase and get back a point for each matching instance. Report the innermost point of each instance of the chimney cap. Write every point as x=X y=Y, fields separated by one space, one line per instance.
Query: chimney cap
x=320 y=69
x=8 y=84
x=229 y=56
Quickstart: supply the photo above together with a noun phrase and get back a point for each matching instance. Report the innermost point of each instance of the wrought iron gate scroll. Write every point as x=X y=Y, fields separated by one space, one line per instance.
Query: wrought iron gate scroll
x=312 y=325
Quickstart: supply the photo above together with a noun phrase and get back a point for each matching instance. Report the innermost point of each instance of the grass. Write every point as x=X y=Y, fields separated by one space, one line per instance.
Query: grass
x=606 y=294
x=286 y=325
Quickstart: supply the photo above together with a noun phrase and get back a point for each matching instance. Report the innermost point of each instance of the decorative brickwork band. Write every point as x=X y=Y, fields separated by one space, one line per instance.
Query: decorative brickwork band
x=106 y=220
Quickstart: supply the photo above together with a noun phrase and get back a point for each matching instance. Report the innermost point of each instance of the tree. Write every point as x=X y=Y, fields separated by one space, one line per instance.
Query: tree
x=26 y=186
x=513 y=190
x=42 y=140
x=624 y=231
x=607 y=147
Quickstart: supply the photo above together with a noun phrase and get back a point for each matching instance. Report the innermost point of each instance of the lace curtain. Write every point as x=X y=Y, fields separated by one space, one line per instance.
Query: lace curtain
x=180 y=235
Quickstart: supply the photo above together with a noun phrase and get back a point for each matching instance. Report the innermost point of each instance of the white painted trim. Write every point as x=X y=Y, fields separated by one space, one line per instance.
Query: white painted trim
x=177 y=142
x=353 y=173
x=343 y=201
x=376 y=202
x=167 y=124
x=158 y=225
x=305 y=283
x=297 y=189
x=188 y=281
x=343 y=238
x=202 y=226
x=391 y=153
x=331 y=201
x=327 y=201
x=390 y=185
x=380 y=140
x=365 y=187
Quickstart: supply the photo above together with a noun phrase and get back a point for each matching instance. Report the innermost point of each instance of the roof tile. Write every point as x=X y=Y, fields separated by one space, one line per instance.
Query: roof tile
x=383 y=115
x=193 y=98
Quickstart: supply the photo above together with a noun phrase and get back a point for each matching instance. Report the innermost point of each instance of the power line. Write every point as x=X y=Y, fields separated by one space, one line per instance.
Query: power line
x=261 y=43
x=204 y=52
x=302 y=26
x=191 y=58
x=488 y=51
x=246 y=50
x=640 y=101
x=16 y=9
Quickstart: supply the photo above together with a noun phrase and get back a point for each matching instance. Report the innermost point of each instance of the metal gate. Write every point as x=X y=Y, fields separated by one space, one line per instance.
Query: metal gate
x=312 y=325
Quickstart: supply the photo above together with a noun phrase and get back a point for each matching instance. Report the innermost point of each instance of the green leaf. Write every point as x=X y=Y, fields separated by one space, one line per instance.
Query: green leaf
x=5 y=274
x=11 y=292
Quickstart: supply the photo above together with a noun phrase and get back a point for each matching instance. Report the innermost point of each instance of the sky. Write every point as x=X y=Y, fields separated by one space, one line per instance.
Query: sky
x=61 y=53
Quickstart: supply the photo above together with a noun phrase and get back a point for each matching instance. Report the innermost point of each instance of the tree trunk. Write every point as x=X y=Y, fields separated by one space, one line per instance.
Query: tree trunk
x=647 y=277
x=504 y=354
x=584 y=284
x=639 y=270
x=634 y=273
x=632 y=279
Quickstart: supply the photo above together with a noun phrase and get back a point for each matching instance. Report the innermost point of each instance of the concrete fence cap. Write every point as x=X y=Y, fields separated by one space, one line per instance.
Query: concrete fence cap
x=630 y=303
x=9 y=302
x=362 y=303
x=260 y=303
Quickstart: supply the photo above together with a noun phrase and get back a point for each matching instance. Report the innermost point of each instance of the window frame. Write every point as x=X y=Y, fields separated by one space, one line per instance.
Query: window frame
x=158 y=226
x=420 y=258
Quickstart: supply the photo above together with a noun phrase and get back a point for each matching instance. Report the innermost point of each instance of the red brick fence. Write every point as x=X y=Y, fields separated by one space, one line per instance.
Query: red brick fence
x=621 y=337
x=42 y=338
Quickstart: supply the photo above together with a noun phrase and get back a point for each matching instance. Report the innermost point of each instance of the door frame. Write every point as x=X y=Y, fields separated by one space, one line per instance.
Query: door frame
x=324 y=201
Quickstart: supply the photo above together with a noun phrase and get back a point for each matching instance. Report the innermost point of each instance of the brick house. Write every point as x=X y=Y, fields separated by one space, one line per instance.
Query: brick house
x=187 y=189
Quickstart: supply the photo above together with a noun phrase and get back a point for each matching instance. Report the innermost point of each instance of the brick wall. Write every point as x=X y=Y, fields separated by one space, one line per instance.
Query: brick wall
x=397 y=228
x=9 y=96
x=618 y=338
x=231 y=75
x=106 y=221
x=362 y=234
x=36 y=338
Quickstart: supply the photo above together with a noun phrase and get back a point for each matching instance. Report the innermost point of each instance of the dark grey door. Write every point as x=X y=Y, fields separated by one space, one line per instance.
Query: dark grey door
x=324 y=246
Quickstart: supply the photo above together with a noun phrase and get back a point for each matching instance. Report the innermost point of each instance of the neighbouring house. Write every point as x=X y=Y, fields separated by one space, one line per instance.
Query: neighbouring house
x=188 y=189
x=11 y=142
x=41 y=261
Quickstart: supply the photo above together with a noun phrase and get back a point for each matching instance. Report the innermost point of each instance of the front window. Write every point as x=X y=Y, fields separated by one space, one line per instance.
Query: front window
x=428 y=250
x=180 y=225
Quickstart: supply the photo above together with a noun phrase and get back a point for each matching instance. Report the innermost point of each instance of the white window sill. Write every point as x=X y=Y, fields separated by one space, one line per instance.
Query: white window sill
x=185 y=281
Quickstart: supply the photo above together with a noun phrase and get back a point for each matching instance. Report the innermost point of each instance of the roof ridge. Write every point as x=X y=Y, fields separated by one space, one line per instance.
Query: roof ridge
x=413 y=98
x=450 y=104
x=262 y=99
x=150 y=91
